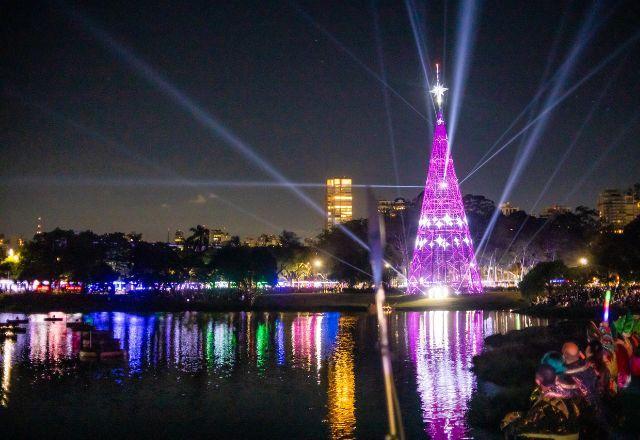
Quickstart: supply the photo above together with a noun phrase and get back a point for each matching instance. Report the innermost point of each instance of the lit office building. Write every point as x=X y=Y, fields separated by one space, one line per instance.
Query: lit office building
x=178 y=239
x=617 y=209
x=508 y=209
x=391 y=208
x=264 y=240
x=218 y=237
x=339 y=202
x=553 y=210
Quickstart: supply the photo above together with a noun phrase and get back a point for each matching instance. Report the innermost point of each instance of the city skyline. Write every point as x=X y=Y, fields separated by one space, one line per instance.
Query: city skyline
x=87 y=139
x=385 y=207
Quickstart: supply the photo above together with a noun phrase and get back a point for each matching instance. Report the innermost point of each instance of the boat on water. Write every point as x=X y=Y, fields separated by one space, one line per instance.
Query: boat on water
x=8 y=335
x=7 y=327
x=79 y=326
x=98 y=345
x=52 y=319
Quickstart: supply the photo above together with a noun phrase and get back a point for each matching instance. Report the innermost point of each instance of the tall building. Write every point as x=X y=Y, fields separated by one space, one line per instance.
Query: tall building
x=339 y=201
x=39 y=226
x=4 y=246
x=264 y=240
x=268 y=240
x=218 y=237
x=250 y=242
x=553 y=210
x=443 y=257
x=617 y=209
x=507 y=209
x=178 y=239
x=391 y=208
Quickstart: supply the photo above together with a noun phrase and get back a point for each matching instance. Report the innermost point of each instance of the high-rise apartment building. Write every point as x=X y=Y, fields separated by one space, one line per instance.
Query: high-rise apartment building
x=617 y=209
x=178 y=239
x=391 y=208
x=507 y=209
x=218 y=237
x=339 y=201
x=553 y=210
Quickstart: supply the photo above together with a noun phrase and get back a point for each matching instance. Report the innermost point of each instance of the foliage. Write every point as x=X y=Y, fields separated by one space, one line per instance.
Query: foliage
x=61 y=254
x=517 y=243
x=154 y=262
x=293 y=259
x=350 y=261
x=536 y=281
x=198 y=241
x=620 y=253
x=245 y=266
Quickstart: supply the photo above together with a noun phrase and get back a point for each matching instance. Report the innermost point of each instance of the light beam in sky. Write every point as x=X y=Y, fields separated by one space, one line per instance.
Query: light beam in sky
x=147 y=72
x=421 y=48
x=309 y=19
x=463 y=52
x=583 y=36
x=564 y=157
x=613 y=55
x=176 y=182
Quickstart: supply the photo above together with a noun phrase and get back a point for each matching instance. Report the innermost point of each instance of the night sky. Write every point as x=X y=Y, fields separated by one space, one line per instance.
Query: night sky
x=89 y=143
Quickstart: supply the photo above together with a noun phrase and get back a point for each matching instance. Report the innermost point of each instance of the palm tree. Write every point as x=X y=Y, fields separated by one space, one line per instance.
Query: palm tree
x=198 y=241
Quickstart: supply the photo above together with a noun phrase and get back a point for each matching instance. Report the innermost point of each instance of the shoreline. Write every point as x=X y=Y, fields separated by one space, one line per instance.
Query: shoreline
x=505 y=369
x=292 y=302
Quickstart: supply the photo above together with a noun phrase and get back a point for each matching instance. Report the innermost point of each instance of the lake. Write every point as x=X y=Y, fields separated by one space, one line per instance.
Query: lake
x=245 y=375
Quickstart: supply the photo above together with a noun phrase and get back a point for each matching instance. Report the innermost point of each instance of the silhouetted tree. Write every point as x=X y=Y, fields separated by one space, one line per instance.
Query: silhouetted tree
x=537 y=280
x=245 y=266
x=350 y=261
x=198 y=241
x=155 y=263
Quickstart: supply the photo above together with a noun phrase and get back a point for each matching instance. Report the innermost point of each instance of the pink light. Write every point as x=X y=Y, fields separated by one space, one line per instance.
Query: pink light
x=607 y=301
x=443 y=253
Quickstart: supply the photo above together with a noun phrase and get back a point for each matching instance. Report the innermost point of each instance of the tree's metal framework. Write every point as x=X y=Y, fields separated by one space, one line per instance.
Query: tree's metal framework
x=443 y=256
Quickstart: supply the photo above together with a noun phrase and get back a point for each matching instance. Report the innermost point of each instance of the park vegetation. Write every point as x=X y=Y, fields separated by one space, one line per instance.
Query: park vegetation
x=542 y=248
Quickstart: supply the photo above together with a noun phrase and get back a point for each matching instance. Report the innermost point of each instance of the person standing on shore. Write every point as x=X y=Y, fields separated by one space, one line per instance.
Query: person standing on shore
x=553 y=412
x=579 y=368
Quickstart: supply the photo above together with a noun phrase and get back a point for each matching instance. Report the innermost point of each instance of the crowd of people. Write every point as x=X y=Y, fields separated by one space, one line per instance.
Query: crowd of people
x=573 y=387
x=576 y=295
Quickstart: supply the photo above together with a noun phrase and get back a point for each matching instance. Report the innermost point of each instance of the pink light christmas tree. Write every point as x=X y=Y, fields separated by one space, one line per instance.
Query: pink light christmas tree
x=443 y=257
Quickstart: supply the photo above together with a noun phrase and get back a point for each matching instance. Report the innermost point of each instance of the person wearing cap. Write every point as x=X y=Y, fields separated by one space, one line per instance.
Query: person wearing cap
x=585 y=373
x=553 y=412
x=578 y=368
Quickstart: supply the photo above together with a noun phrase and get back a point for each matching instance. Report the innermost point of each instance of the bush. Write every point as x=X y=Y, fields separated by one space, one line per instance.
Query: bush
x=536 y=281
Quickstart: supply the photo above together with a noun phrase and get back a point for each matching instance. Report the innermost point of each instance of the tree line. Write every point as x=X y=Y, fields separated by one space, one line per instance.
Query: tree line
x=517 y=242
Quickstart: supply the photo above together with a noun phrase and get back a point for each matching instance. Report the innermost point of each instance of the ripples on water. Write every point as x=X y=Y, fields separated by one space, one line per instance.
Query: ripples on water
x=303 y=375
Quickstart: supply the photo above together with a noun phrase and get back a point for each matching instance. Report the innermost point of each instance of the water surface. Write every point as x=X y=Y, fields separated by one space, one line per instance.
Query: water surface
x=245 y=375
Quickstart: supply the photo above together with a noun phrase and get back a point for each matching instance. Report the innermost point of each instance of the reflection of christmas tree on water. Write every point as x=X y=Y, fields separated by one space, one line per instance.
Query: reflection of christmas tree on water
x=443 y=256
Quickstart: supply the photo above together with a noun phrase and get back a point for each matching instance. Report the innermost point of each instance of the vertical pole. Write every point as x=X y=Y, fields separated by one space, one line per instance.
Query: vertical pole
x=607 y=300
x=387 y=370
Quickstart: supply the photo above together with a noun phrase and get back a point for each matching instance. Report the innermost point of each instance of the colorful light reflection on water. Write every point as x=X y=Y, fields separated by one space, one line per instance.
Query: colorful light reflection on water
x=329 y=355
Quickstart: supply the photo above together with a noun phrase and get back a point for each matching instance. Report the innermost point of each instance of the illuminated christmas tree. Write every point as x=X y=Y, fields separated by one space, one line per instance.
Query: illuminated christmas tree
x=443 y=257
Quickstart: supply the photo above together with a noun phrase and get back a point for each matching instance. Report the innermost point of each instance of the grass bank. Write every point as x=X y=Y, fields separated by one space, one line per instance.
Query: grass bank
x=287 y=302
x=487 y=301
